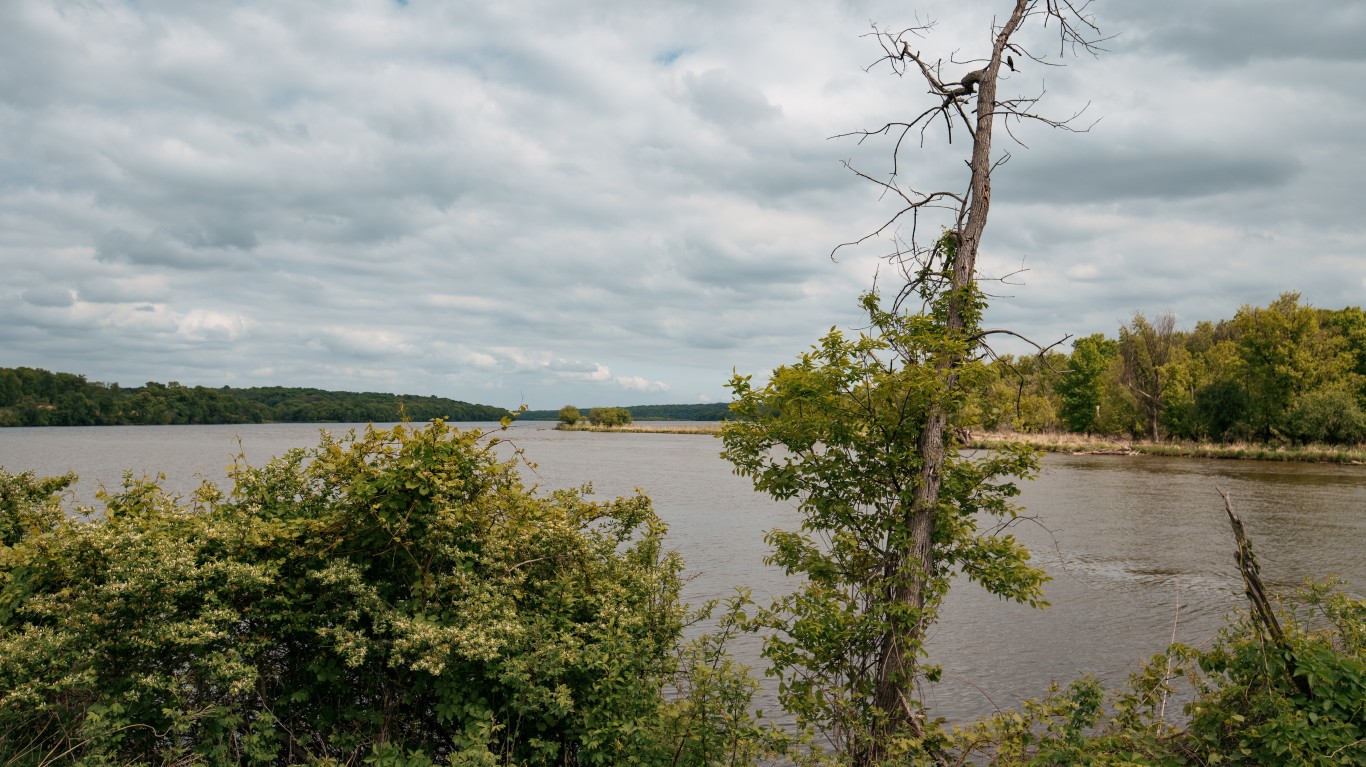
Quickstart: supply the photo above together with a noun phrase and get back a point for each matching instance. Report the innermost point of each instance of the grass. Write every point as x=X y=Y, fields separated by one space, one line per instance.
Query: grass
x=1075 y=444
x=1080 y=444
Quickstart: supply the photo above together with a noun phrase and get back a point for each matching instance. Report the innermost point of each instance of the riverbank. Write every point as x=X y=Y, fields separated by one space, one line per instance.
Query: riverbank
x=1076 y=444
x=1080 y=444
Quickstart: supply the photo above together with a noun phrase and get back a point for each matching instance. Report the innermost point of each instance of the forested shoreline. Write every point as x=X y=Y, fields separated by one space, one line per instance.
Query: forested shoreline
x=1282 y=373
x=1285 y=373
x=36 y=397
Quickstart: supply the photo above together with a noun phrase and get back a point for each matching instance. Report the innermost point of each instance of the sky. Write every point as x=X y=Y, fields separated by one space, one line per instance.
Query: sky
x=605 y=202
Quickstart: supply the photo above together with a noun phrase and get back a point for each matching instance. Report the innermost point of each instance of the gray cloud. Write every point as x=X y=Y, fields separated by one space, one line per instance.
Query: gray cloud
x=49 y=295
x=608 y=203
x=1227 y=33
x=1104 y=173
x=718 y=97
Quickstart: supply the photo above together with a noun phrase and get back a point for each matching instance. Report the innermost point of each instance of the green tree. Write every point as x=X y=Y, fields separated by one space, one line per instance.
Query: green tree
x=1285 y=354
x=840 y=431
x=883 y=479
x=569 y=415
x=1350 y=324
x=1081 y=386
x=1246 y=708
x=1329 y=415
x=1017 y=394
x=609 y=416
x=1222 y=402
x=10 y=388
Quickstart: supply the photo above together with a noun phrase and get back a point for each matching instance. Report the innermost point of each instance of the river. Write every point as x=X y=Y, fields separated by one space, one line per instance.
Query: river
x=1138 y=547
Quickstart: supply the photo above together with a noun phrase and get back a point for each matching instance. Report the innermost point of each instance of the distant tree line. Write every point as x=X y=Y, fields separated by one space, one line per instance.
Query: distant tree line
x=711 y=411
x=1285 y=372
x=36 y=397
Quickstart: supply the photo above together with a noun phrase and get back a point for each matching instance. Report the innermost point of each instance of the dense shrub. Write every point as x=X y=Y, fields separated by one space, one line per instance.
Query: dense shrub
x=1252 y=702
x=397 y=597
x=1327 y=415
x=609 y=416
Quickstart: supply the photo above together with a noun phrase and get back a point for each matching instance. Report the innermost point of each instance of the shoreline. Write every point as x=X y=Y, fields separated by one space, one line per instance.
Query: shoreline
x=1078 y=444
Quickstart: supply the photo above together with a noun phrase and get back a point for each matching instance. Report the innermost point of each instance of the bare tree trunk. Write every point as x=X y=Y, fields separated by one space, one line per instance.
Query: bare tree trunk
x=896 y=678
x=1263 y=616
x=944 y=277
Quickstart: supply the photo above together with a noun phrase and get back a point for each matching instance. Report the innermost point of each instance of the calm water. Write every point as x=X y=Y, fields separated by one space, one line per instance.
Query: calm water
x=1135 y=545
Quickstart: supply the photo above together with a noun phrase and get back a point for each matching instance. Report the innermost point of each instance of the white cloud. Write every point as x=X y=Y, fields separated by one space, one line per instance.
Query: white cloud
x=206 y=325
x=637 y=383
x=360 y=342
x=598 y=373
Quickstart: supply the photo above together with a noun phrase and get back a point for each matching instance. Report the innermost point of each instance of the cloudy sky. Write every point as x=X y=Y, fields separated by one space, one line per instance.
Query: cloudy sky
x=607 y=202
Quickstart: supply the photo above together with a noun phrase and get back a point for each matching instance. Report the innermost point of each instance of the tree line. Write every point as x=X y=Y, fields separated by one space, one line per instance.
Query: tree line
x=1285 y=372
x=36 y=397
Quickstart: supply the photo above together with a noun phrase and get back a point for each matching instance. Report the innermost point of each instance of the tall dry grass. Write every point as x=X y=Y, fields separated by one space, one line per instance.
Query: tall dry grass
x=1075 y=444
x=1081 y=444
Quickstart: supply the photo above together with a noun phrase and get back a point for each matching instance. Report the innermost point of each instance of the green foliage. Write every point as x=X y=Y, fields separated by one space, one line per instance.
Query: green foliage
x=839 y=432
x=34 y=397
x=1015 y=394
x=713 y=721
x=1280 y=373
x=1286 y=354
x=1350 y=324
x=1245 y=707
x=709 y=411
x=1252 y=713
x=397 y=598
x=1081 y=387
x=1328 y=415
x=609 y=416
x=569 y=415
x=1145 y=349
x=293 y=405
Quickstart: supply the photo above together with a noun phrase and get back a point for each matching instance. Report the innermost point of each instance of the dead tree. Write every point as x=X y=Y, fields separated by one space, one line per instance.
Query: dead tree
x=1145 y=348
x=1263 y=615
x=970 y=105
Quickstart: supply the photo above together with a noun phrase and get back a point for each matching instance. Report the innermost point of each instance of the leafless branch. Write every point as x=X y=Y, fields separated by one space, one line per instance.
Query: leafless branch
x=958 y=104
x=1040 y=347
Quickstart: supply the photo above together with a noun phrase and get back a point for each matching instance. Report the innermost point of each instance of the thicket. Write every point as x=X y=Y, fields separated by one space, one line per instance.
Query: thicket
x=609 y=416
x=36 y=397
x=1282 y=373
x=401 y=598
x=394 y=598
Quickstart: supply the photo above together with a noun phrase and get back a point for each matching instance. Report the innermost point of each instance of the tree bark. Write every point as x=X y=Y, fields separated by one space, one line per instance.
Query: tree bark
x=896 y=678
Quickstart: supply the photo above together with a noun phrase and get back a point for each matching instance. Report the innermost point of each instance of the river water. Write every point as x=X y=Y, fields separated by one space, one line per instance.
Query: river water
x=1138 y=548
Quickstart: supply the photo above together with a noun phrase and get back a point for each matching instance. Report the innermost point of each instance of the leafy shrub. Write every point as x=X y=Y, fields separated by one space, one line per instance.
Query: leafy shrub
x=1305 y=705
x=1252 y=703
x=398 y=597
x=1327 y=415
x=609 y=416
x=569 y=415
